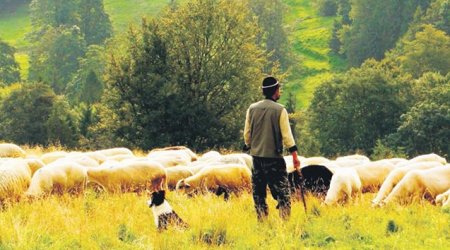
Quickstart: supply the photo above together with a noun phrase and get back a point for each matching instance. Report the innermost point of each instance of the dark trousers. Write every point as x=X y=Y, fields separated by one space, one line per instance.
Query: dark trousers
x=271 y=172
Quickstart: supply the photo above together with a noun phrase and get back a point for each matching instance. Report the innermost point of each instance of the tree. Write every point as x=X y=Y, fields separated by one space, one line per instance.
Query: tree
x=327 y=7
x=376 y=27
x=187 y=78
x=87 y=84
x=94 y=23
x=353 y=110
x=62 y=124
x=272 y=35
x=438 y=14
x=54 y=59
x=428 y=52
x=24 y=114
x=425 y=127
x=9 y=68
x=45 y=14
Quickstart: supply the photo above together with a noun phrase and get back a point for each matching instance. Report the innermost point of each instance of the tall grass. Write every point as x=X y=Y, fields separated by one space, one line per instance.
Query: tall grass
x=106 y=221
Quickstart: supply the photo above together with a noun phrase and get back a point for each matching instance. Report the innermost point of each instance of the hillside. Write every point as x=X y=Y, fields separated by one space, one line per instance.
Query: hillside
x=309 y=35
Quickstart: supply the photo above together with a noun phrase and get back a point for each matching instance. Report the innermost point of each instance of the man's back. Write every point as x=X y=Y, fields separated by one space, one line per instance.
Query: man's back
x=266 y=139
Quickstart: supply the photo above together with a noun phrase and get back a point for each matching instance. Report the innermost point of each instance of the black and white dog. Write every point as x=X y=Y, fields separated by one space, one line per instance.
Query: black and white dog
x=163 y=212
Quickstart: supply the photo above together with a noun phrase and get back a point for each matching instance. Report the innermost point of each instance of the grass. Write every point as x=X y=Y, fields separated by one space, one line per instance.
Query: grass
x=123 y=13
x=309 y=36
x=14 y=26
x=104 y=221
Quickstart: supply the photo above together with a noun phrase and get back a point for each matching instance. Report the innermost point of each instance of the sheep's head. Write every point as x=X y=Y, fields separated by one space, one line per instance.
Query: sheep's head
x=184 y=187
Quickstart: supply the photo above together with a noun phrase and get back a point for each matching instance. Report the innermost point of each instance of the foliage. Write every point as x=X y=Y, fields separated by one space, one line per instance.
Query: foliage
x=187 y=77
x=94 y=23
x=62 y=124
x=54 y=59
x=376 y=26
x=428 y=52
x=87 y=83
x=24 y=114
x=327 y=7
x=355 y=109
x=438 y=14
x=272 y=35
x=9 y=68
x=426 y=126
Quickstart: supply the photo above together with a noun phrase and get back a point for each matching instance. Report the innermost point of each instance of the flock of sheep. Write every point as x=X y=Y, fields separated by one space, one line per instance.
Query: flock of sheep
x=118 y=170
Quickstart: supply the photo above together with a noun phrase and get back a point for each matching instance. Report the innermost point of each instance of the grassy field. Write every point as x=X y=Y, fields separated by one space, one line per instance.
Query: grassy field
x=104 y=221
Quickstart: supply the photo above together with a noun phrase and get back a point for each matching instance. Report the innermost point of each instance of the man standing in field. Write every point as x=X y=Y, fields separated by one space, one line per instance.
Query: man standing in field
x=266 y=130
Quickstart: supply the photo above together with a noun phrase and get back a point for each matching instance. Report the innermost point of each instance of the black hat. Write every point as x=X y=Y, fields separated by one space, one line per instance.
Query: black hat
x=269 y=82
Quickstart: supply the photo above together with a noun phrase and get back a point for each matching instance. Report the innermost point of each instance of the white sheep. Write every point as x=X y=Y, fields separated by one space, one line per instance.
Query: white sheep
x=316 y=160
x=444 y=199
x=373 y=174
x=396 y=175
x=58 y=178
x=15 y=177
x=427 y=183
x=11 y=150
x=50 y=157
x=178 y=151
x=219 y=179
x=175 y=174
x=344 y=184
x=429 y=157
x=115 y=151
x=131 y=176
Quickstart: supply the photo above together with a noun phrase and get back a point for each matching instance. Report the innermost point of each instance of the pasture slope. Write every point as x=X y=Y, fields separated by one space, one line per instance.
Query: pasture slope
x=102 y=221
x=308 y=34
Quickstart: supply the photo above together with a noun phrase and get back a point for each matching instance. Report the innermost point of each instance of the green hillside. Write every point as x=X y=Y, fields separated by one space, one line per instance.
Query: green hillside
x=309 y=35
x=309 y=38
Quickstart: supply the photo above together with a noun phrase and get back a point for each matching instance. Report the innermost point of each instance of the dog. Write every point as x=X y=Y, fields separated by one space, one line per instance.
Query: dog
x=163 y=212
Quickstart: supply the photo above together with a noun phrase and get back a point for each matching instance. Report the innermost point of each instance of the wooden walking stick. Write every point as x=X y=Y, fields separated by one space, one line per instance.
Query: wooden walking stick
x=302 y=194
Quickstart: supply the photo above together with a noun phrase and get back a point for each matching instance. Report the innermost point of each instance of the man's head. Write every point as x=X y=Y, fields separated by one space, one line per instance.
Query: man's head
x=271 y=88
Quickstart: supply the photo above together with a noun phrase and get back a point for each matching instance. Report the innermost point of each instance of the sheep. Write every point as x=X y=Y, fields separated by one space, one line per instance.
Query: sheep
x=11 y=150
x=132 y=176
x=396 y=175
x=316 y=160
x=444 y=199
x=178 y=151
x=219 y=179
x=114 y=151
x=426 y=183
x=80 y=159
x=429 y=157
x=209 y=155
x=15 y=177
x=50 y=157
x=175 y=174
x=356 y=157
x=170 y=161
x=344 y=184
x=373 y=174
x=57 y=178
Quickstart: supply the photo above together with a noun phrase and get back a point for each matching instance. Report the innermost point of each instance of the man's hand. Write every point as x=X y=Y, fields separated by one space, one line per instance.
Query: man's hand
x=296 y=161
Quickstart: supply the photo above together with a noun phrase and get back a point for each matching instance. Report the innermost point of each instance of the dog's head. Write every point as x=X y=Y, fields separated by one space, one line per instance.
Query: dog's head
x=158 y=198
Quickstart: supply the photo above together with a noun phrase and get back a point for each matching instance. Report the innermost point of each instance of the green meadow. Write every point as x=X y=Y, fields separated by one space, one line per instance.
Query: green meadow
x=123 y=221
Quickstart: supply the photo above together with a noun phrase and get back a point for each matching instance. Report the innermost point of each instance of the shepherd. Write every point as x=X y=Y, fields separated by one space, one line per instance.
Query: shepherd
x=266 y=130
